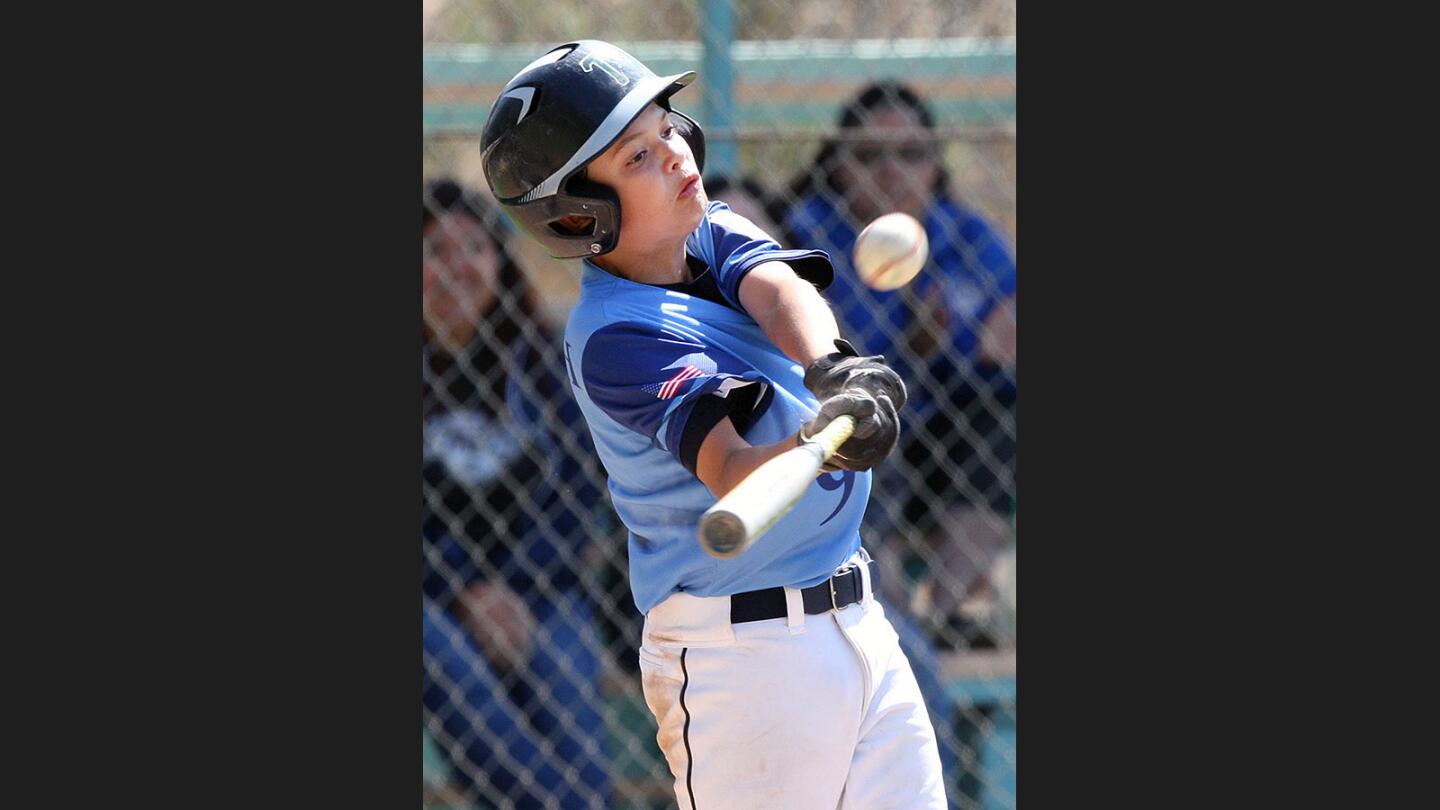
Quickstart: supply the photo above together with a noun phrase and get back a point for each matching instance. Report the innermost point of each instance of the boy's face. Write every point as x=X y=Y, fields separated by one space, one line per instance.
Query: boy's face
x=653 y=171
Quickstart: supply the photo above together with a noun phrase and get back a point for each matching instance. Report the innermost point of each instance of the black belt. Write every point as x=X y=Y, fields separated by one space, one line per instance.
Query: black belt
x=841 y=590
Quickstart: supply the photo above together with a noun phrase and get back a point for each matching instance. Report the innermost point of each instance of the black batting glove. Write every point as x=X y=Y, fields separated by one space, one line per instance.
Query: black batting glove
x=846 y=369
x=877 y=429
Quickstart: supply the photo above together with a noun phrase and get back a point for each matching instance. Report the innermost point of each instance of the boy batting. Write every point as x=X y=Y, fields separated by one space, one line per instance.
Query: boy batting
x=698 y=350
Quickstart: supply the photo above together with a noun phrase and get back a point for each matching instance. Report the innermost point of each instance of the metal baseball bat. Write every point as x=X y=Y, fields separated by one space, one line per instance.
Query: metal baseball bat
x=769 y=492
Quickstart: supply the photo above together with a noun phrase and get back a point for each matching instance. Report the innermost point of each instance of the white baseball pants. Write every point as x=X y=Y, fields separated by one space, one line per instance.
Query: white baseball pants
x=795 y=713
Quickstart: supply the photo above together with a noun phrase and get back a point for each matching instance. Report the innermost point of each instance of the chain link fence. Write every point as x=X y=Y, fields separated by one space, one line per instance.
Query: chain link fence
x=819 y=116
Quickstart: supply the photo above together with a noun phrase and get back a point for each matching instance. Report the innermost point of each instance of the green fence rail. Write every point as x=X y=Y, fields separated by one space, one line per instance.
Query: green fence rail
x=794 y=84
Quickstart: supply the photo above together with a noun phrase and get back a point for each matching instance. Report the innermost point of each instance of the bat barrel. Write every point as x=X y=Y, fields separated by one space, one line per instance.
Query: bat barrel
x=723 y=533
x=768 y=493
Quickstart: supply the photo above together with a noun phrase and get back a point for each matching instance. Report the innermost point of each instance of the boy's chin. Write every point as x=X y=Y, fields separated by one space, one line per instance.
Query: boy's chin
x=695 y=208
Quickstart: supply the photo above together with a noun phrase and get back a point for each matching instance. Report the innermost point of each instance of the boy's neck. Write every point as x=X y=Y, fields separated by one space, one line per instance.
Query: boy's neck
x=664 y=266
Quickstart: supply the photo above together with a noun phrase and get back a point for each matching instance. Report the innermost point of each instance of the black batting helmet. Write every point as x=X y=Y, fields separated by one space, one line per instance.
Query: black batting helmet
x=555 y=116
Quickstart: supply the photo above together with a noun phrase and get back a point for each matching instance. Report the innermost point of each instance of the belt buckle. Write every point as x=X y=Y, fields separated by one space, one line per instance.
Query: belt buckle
x=834 y=599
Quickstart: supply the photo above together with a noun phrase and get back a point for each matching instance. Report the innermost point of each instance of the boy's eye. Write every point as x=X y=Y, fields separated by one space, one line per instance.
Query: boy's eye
x=639 y=156
x=670 y=130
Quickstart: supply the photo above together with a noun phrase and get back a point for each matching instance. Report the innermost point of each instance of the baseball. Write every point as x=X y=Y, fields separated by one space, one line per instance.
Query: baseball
x=890 y=251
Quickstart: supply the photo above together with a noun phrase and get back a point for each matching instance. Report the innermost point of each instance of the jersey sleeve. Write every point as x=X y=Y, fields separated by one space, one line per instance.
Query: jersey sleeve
x=668 y=387
x=733 y=246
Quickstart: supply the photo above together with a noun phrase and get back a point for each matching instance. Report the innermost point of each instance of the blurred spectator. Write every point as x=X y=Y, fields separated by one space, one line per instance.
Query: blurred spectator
x=950 y=334
x=511 y=668
x=749 y=198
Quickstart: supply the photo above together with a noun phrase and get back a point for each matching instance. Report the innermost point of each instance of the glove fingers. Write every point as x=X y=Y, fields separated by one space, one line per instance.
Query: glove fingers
x=864 y=406
x=867 y=427
x=863 y=387
x=859 y=404
x=878 y=420
x=880 y=379
x=847 y=368
x=887 y=408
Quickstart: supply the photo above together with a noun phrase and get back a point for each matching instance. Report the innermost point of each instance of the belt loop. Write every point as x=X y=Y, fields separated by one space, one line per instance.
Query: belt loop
x=794 y=611
x=867 y=587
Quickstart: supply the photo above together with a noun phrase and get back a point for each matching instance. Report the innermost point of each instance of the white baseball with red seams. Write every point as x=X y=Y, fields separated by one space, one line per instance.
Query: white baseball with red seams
x=890 y=251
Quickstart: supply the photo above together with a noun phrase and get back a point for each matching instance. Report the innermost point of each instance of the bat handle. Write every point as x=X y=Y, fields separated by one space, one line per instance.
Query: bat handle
x=833 y=435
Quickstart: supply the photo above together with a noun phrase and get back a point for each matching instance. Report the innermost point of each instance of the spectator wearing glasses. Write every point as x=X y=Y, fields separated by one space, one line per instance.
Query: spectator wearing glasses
x=950 y=334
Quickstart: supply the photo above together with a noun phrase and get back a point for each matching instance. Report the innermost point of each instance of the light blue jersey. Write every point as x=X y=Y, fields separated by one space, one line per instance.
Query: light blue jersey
x=655 y=368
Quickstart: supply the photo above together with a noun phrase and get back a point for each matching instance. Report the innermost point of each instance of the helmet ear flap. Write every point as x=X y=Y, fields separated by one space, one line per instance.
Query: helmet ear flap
x=545 y=219
x=583 y=197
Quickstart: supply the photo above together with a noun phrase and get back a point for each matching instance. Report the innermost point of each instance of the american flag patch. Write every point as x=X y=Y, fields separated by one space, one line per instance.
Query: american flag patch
x=671 y=386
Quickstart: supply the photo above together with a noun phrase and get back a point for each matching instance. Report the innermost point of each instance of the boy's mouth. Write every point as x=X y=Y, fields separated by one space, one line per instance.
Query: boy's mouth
x=689 y=188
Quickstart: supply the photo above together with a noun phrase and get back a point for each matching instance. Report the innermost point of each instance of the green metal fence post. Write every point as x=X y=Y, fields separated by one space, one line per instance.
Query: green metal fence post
x=717 y=34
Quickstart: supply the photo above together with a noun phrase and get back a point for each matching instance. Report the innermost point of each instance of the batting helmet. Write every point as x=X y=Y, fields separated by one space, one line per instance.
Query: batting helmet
x=555 y=116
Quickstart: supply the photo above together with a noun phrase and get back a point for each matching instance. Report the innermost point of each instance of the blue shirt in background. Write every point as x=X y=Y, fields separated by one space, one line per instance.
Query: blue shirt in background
x=969 y=263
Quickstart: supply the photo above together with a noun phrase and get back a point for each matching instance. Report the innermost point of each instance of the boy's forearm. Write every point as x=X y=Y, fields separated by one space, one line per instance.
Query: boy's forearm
x=725 y=459
x=794 y=316
x=741 y=463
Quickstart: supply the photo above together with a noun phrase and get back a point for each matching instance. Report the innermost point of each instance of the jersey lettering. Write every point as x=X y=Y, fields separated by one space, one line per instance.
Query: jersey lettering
x=847 y=479
x=569 y=368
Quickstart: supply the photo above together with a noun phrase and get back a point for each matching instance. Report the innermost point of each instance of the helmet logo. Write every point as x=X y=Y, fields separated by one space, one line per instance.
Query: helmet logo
x=590 y=61
x=554 y=56
x=525 y=95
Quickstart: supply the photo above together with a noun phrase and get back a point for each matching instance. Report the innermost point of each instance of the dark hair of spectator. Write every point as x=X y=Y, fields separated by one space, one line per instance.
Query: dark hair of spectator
x=516 y=299
x=823 y=171
x=502 y=331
